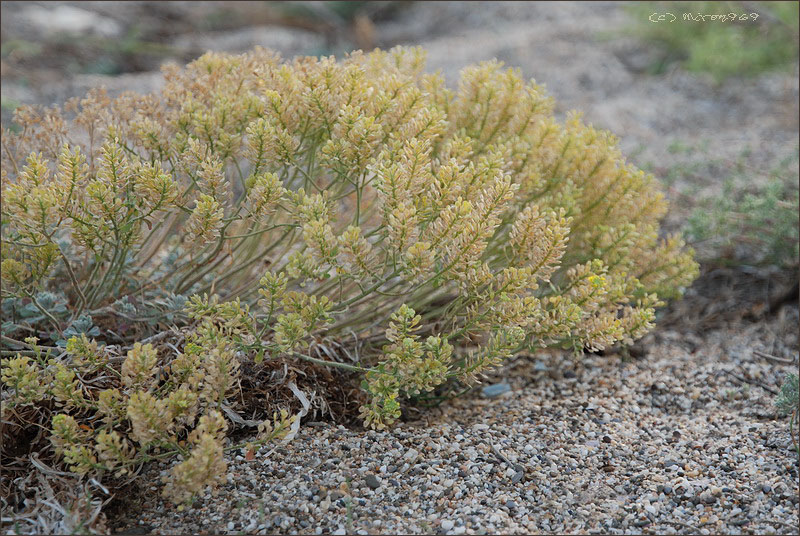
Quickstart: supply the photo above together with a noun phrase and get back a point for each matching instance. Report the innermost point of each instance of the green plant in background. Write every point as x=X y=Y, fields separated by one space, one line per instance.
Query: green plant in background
x=20 y=48
x=264 y=207
x=721 y=48
x=94 y=54
x=788 y=403
x=752 y=224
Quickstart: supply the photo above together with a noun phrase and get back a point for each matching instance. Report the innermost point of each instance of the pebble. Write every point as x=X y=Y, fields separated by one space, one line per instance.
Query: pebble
x=492 y=391
x=447 y=525
x=373 y=481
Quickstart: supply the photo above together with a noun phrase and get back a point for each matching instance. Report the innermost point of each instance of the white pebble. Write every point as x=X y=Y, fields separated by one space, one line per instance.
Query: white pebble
x=447 y=525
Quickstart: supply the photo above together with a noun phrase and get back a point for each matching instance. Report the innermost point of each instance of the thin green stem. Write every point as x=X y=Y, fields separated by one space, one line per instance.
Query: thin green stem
x=335 y=364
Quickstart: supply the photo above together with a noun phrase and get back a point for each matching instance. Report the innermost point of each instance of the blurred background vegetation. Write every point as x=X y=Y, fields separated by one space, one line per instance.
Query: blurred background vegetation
x=720 y=48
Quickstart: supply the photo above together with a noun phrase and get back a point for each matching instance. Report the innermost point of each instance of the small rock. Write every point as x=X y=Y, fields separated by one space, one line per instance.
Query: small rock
x=372 y=481
x=492 y=391
x=766 y=488
x=411 y=454
x=53 y=20
x=670 y=463
x=447 y=525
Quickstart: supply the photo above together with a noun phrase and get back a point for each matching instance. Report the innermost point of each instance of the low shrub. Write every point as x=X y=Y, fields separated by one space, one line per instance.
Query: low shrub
x=263 y=207
x=753 y=222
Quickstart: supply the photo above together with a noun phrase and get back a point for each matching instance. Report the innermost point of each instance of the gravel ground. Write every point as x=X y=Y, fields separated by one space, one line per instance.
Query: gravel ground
x=685 y=440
